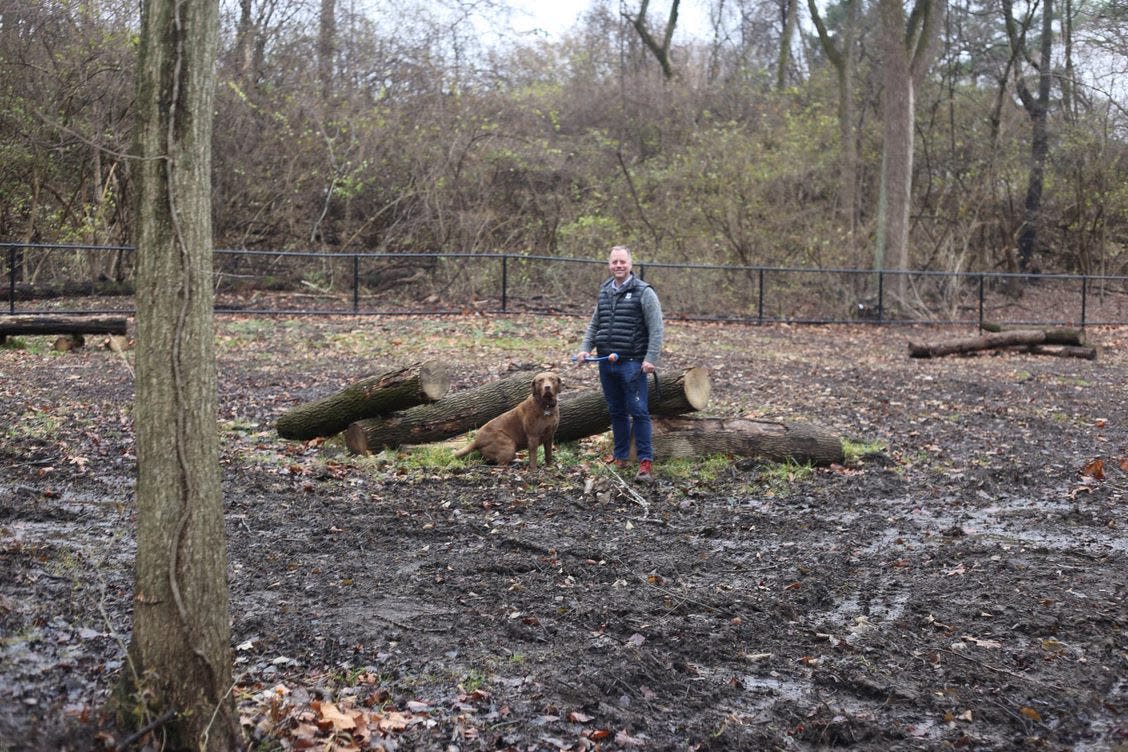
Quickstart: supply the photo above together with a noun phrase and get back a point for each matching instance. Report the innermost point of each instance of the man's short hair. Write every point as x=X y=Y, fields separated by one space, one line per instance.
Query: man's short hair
x=621 y=248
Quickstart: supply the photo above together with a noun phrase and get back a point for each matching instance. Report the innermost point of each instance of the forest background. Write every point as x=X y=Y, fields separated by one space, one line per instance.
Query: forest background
x=779 y=138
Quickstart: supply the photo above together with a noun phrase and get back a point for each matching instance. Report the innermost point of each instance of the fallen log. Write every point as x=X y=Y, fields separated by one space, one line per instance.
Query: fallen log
x=71 y=326
x=1055 y=335
x=681 y=437
x=991 y=341
x=453 y=414
x=1063 y=351
x=397 y=389
x=582 y=413
x=585 y=413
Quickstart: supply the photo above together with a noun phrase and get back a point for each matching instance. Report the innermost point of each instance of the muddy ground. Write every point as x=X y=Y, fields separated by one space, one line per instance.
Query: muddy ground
x=960 y=584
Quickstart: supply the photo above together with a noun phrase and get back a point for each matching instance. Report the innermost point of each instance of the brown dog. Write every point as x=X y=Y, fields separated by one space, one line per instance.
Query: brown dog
x=529 y=425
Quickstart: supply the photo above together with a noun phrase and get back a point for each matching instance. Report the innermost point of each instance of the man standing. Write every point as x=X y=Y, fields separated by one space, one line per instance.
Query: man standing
x=627 y=322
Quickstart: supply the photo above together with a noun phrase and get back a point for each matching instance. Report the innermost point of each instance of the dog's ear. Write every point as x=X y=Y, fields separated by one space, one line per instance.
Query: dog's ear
x=559 y=383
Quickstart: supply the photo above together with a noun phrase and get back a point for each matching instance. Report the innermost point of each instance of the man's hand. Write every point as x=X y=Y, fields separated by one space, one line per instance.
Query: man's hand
x=648 y=367
x=581 y=357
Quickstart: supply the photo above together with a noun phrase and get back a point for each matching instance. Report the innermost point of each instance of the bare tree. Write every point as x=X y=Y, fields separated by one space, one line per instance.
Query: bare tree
x=790 y=12
x=843 y=57
x=180 y=656
x=905 y=46
x=660 y=50
x=1038 y=108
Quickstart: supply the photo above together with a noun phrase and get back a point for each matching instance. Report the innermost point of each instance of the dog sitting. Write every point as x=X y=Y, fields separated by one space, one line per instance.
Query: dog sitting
x=529 y=425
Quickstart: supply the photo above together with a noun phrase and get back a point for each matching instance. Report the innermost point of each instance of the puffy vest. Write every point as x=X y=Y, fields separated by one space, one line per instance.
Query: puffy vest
x=621 y=326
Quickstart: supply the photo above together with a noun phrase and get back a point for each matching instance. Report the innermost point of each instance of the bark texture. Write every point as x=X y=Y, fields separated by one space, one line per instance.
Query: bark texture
x=398 y=389
x=180 y=655
x=37 y=324
x=454 y=414
x=676 y=438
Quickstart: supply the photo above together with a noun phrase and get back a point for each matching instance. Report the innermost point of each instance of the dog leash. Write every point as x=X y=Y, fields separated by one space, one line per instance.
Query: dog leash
x=612 y=358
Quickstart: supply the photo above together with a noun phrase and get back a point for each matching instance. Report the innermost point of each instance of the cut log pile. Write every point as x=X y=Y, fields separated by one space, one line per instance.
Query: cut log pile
x=415 y=384
x=1057 y=341
x=411 y=406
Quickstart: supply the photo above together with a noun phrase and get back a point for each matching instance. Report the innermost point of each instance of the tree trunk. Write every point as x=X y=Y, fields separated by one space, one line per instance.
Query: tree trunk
x=398 y=389
x=586 y=414
x=790 y=21
x=180 y=655
x=454 y=414
x=994 y=340
x=843 y=62
x=326 y=48
x=1039 y=111
x=779 y=442
x=905 y=48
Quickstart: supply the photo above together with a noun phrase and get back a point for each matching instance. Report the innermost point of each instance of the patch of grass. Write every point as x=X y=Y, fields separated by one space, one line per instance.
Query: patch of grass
x=472 y=681
x=430 y=457
x=696 y=469
x=856 y=451
x=779 y=477
x=14 y=343
x=34 y=425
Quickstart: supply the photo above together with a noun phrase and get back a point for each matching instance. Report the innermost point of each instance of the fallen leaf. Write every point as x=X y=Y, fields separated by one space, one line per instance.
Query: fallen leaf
x=1095 y=469
x=1030 y=713
x=983 y=643
x=577 y=717
x=330 y=714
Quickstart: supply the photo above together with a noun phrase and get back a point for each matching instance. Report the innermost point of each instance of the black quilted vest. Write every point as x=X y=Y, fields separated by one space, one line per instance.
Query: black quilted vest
x=621 y=327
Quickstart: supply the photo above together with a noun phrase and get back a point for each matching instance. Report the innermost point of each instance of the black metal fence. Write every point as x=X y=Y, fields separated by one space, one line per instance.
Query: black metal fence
x=76 y=279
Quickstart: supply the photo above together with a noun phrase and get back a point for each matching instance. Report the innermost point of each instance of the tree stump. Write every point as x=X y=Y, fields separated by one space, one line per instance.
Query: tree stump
x=453 y=414
x=585 y=413
x=676 y=438
x=397 y=389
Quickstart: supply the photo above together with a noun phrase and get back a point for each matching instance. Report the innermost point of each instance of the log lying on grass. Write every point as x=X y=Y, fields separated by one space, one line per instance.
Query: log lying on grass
x=997 y=340
x=582 y=413
x=397 y=389
x=453 y=414
x=72 y=327
x=585 y=413
x=681 y=437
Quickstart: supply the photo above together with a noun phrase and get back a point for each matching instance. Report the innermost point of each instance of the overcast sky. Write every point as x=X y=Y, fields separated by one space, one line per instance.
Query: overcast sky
x=557 y=16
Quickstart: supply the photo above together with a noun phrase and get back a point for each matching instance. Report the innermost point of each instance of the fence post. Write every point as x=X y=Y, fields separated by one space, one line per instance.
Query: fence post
x=760 y=303
x=504 y=281
x=11 y=279
x=356 y=282
x=1084 y=299
x=880 y=295
x=981 y=298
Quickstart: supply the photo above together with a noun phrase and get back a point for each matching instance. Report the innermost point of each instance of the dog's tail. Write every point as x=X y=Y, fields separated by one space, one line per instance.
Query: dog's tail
x=466 y=449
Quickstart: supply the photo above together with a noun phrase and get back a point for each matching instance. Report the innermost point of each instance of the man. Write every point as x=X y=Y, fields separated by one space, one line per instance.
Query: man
x=628 y=322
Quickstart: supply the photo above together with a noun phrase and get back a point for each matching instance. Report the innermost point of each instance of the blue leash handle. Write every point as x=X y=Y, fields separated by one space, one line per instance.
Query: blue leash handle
x=594 y=359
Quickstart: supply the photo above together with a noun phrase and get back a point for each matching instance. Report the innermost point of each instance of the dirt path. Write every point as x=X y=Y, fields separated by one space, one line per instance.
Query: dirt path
x=963 y=588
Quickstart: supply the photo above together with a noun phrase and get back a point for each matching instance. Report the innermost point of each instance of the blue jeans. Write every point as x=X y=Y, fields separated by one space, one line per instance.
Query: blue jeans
x=624 y=388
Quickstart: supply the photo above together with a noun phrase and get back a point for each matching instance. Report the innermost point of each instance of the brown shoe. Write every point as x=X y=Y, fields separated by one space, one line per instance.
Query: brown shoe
x=643 y=475
x=611 y=460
